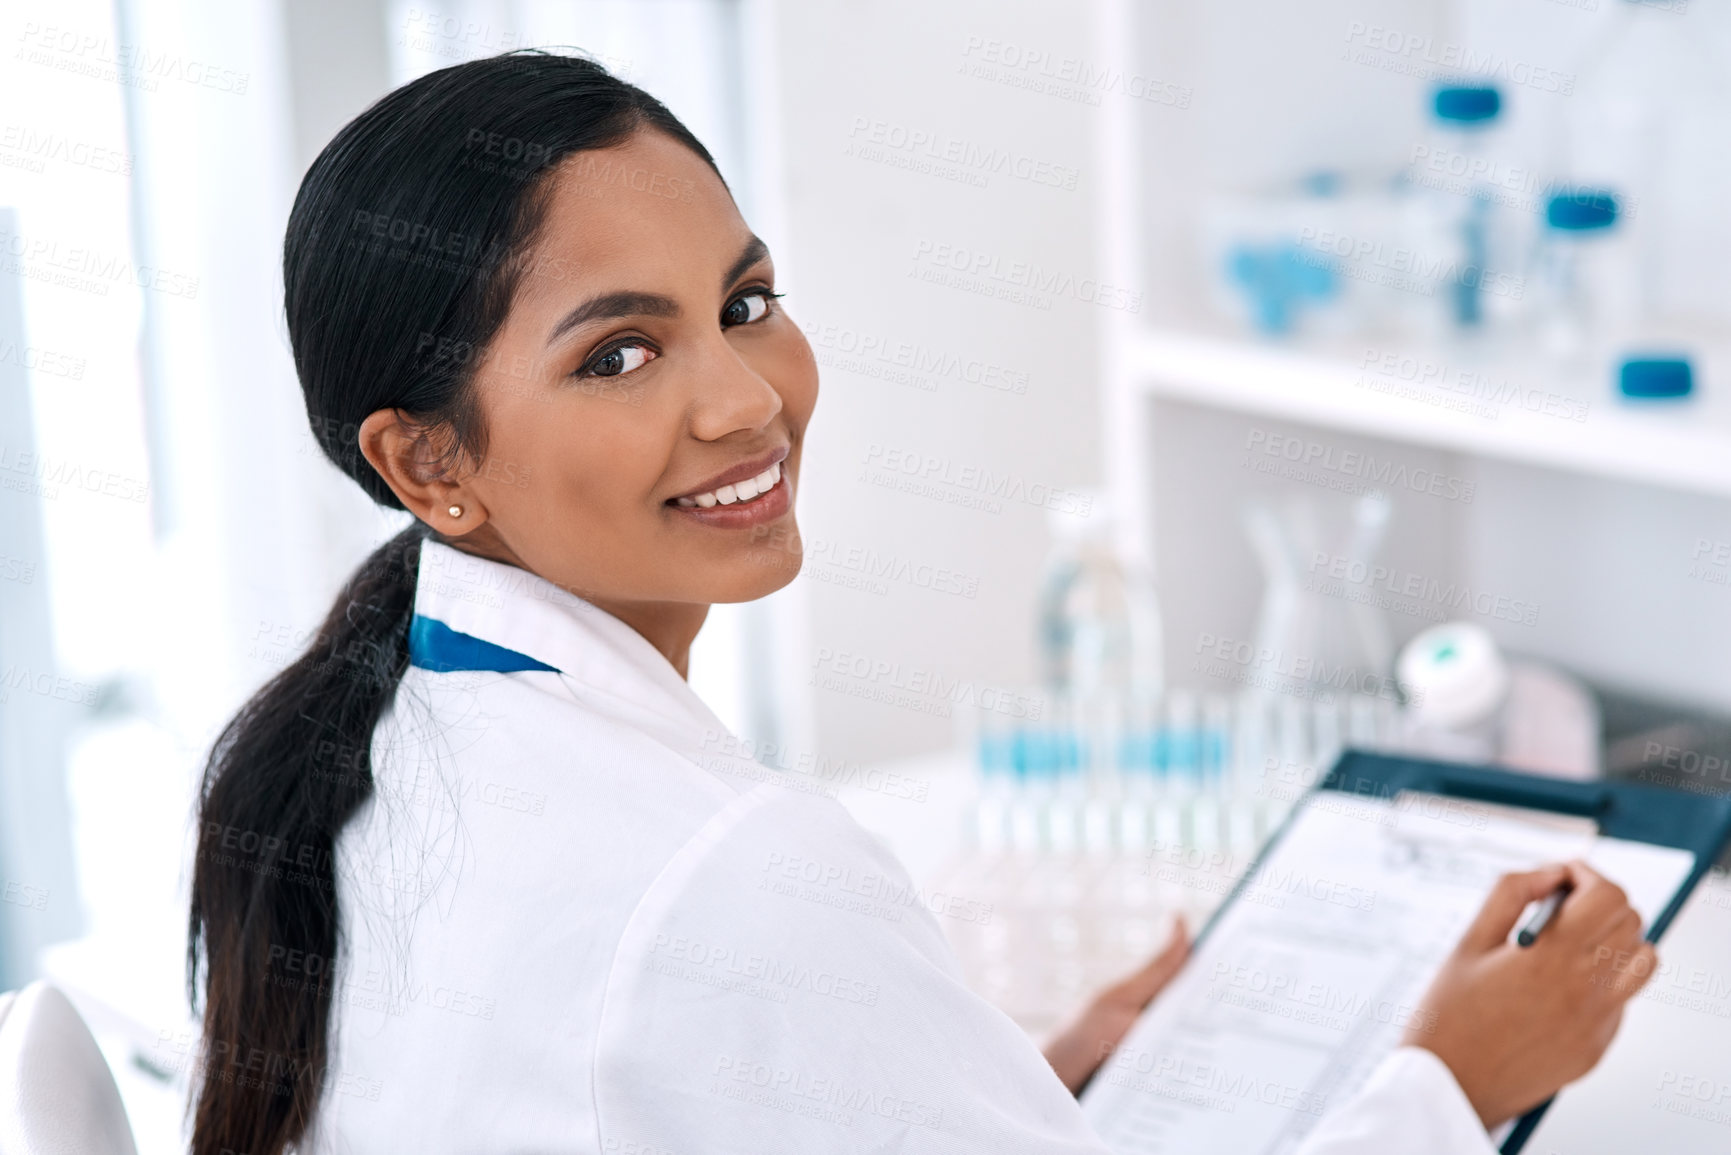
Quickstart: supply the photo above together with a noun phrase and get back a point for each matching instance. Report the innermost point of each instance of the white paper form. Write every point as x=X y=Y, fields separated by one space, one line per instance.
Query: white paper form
x=1315 y=971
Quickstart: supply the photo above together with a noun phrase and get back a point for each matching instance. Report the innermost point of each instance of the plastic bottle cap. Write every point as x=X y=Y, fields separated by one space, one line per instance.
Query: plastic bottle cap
x=1656 y=377
x=1582 y=210
x=1454 y=675
x=1467 y=103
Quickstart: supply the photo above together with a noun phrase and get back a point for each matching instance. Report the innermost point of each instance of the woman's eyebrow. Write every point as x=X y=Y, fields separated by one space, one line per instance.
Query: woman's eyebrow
x=611 y=305
x=630 y=303
x=755 y=250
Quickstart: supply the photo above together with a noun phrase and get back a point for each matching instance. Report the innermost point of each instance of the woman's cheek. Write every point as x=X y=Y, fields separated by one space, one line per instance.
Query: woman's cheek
x=796 y=377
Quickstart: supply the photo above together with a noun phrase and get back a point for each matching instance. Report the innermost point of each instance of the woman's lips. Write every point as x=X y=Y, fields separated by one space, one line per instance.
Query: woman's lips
x=746 y=489
x=739 y=514
x=748 y=470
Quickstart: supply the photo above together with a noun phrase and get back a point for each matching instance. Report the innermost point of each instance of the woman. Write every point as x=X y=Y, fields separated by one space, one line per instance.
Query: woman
x=479 y=872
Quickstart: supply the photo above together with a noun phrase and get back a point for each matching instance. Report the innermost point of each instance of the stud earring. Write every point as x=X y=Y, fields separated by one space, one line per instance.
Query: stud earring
x=455 y=511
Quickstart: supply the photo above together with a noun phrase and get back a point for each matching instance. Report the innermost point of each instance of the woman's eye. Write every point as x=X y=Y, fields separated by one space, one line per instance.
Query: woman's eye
x=744 y=310
x=621 y=359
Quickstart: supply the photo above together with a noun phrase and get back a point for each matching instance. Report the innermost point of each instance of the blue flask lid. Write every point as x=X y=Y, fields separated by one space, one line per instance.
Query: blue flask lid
x=1467 y=103
x=1656 y=377
x=1581 y=210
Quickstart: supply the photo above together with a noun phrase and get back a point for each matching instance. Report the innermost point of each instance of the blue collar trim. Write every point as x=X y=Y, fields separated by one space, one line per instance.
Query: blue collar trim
x=437 y=647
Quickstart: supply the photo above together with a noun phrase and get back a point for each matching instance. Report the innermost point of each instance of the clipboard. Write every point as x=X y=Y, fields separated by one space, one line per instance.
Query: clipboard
x=1635 y=812
x=1658 y=815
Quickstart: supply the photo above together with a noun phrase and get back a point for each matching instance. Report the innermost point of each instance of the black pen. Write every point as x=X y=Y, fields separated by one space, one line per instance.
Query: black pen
x=1543 y=912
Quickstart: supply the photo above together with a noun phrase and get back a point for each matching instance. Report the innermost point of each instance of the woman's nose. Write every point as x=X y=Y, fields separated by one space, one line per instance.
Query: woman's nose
x=730 y=395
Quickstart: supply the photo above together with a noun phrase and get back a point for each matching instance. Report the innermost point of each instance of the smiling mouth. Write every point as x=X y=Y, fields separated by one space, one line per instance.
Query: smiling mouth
x=739 y=493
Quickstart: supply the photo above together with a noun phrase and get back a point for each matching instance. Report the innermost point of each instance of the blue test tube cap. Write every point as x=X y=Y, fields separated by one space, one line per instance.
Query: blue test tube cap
x=1026 y=754
x=1467 y=103
x=1213 y=751
x=1646 y=377
x=1582 y=210
x=993 y=751
x=1135 y=751
x=1075 y=752
x=1042 y=753
x=1184 y=751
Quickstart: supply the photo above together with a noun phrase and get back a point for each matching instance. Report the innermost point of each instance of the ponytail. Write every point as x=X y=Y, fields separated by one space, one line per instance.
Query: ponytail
x=283 y=778
x=401 y=258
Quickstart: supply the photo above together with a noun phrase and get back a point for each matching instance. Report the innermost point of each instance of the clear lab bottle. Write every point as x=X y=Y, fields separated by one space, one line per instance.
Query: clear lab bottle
x=1454 y=231
x=1646 y=135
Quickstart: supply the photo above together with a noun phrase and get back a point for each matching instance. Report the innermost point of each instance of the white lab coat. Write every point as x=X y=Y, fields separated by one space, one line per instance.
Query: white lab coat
x=574 y=920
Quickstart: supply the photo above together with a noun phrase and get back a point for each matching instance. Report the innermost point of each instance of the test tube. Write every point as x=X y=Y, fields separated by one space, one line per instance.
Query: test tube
x=1249 y=773
x=1138 y=773
x=1178 y=744
x=1213 y=738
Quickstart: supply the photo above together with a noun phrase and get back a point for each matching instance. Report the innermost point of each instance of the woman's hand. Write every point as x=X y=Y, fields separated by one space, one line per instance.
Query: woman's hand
x=1077 y=1051
x=1515 y=1023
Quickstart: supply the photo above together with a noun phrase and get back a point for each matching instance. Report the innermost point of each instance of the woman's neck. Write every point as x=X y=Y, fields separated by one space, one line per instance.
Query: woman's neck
x=670 y=627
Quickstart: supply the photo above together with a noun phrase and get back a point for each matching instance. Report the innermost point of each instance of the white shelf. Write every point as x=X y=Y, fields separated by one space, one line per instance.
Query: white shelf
x=1682 y=445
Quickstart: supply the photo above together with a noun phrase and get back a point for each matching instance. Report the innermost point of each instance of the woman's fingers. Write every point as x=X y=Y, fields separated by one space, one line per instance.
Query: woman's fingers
x=1514 y=1024
x=1496 y=918
x=1597 y=909
x=1076 y=1052
x=1139 y=989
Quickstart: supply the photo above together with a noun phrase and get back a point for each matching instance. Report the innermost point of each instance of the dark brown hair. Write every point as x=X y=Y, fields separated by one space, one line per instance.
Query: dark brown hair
x=406 y=242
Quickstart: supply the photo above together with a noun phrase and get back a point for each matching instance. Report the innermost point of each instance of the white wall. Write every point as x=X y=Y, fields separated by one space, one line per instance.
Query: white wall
x=1613 y=565
x=858 y=225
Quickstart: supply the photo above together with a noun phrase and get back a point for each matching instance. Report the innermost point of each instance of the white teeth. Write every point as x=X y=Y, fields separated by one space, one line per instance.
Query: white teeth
x=737 y=492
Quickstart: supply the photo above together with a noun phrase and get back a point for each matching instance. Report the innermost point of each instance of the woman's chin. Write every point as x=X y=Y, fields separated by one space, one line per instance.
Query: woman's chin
x=761 y=572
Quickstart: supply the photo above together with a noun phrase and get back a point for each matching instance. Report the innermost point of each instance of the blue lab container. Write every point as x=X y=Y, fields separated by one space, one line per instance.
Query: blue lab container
x=1656 y=377
x=1582 y=210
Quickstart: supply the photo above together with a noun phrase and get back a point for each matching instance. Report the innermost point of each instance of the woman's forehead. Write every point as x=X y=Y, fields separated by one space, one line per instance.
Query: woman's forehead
x=646 y=207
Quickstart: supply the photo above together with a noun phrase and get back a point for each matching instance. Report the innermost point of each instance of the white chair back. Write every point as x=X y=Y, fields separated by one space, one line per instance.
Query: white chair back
x=57 y=1095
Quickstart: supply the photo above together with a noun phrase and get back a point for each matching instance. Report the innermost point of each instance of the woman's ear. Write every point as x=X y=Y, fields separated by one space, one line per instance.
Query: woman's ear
x=414 y=463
